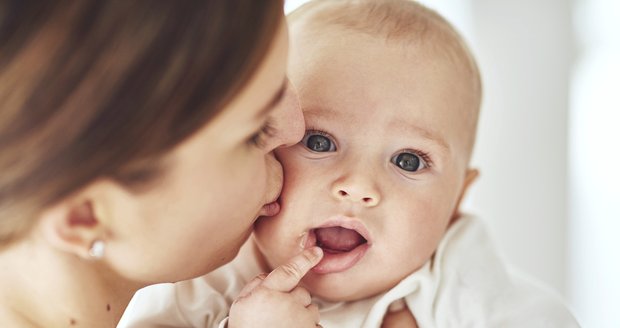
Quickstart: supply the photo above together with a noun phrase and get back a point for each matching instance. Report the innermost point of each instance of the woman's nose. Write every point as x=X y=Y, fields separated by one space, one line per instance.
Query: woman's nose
x=289 y=120
x=357 y=189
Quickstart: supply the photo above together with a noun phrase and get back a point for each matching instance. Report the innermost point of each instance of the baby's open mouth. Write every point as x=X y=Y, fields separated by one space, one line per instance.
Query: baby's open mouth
x=344 y=243
x=335 y=240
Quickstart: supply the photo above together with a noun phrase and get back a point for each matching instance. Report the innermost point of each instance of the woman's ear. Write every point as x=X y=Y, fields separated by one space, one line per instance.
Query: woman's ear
x=470 y=176
x=73 y=226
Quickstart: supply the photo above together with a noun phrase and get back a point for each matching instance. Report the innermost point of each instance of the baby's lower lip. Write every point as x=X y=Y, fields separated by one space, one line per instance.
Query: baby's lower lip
x=334 y=262
x=338 y=262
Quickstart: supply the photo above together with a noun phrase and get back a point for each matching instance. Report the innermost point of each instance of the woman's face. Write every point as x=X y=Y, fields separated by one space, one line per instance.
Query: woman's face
x=218 y=183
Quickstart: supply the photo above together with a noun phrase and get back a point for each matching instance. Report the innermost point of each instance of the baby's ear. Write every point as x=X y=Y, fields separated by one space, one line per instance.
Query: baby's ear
x=471 y=175
x=71 y=226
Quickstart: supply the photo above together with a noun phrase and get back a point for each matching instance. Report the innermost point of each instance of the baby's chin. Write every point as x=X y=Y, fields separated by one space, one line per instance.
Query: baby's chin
x=343 y=289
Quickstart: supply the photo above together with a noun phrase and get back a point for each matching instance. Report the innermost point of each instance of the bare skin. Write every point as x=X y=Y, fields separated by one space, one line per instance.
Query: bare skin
x=399 y=319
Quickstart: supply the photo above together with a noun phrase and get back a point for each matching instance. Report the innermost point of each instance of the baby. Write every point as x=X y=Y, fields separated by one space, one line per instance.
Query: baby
x=390 y=95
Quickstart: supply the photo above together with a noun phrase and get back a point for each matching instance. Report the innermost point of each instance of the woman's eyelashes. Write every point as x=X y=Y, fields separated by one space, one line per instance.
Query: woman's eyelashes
x=266 y=131
x=411 y=161
x=318 y=141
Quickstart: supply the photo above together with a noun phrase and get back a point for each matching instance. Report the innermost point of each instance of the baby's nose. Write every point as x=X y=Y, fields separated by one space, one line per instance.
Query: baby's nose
x=357 y=191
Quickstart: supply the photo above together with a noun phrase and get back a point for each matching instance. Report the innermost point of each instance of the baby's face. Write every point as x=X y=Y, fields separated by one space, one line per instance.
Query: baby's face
x=379 y=173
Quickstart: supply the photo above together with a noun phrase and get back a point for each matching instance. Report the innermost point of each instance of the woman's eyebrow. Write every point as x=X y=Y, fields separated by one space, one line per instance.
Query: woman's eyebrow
x=276 y=99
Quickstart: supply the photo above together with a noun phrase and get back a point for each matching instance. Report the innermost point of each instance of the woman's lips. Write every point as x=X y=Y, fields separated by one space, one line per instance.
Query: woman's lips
x=339 y=261
x=270 y=209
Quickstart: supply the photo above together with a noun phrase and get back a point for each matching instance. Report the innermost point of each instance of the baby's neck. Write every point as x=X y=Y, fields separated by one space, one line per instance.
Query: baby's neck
x=43 y=287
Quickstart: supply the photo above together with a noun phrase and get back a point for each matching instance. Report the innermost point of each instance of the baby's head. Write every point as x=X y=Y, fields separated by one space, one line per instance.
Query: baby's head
x=390 y=96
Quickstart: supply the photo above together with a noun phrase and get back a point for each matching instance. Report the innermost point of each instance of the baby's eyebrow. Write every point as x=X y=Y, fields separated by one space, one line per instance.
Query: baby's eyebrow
x=417 y=130
x=322 y=112
x=396 y=125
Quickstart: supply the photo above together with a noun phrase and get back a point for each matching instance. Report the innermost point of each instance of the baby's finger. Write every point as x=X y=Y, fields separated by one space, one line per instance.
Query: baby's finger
x=286 y=277
x=302 y=296
x=314 y=311
x=249 y=287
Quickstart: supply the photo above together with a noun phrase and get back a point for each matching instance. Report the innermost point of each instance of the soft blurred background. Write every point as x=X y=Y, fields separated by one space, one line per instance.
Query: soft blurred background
x=548 y=141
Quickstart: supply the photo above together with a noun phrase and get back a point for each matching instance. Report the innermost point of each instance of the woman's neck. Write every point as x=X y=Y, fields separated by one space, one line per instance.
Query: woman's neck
x=44 y=287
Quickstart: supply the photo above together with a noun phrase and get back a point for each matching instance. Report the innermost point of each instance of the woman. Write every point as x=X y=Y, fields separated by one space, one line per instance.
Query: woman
x=136 y=146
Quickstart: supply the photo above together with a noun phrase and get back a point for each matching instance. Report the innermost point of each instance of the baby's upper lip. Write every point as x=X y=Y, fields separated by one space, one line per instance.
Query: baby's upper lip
x=347 y=222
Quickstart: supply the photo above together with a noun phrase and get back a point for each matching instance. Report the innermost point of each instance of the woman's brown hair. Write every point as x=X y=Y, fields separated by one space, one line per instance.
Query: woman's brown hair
x=93 y=88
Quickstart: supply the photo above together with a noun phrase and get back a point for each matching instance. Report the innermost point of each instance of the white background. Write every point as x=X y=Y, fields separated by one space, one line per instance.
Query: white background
x=548 y=141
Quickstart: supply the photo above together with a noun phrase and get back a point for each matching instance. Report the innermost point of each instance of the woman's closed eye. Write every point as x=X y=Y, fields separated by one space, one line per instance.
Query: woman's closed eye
x=266 y=131
x=411 y=161
x=318 y=141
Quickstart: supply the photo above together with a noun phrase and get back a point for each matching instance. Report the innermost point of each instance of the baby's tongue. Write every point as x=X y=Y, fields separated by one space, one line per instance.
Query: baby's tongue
x=338 y=239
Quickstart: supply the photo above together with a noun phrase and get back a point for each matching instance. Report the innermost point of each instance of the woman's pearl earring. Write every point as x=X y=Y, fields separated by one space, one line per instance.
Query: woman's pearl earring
x=97 y=249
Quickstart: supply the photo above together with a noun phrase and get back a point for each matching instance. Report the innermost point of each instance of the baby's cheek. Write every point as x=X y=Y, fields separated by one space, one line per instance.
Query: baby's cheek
x=269 y=233
x=414 y=240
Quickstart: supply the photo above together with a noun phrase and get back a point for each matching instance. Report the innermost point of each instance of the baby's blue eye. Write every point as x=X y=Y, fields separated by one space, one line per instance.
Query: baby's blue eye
x=408 y=162
x=318 y=142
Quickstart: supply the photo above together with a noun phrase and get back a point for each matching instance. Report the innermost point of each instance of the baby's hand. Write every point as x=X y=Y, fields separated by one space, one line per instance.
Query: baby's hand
x=275 y=300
